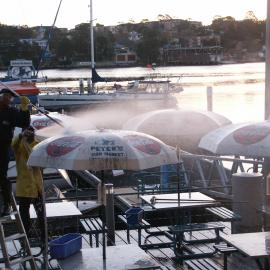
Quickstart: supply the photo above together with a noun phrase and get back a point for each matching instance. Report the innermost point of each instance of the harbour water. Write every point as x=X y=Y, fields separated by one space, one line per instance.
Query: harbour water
x=238 y=89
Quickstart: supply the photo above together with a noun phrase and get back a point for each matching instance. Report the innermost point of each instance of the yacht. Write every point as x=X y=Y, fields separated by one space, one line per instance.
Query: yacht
x=152 y=93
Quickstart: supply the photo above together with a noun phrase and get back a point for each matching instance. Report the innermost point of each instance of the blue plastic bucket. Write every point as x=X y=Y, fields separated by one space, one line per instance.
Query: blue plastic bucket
x=65 y=245
x=134 y=215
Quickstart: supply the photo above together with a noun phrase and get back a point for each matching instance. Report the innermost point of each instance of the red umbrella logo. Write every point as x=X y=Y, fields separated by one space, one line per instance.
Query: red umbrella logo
x=144 y=144
x=42 y=123
x=251 y=134
x=62 y=146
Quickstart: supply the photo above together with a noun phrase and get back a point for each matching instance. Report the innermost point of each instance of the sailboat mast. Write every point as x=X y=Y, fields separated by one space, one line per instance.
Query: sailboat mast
x=267 y=64
x=95 y=77
x=92 y=36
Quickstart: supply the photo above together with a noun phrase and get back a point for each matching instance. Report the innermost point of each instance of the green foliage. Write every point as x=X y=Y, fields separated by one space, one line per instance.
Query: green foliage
x=149 y=46
x=246 y=34
x=67 y=46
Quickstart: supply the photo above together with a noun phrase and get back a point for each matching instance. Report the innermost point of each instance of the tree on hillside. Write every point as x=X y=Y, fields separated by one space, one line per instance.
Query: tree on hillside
x=64 y=50
x=104 y=45
x=251 y=16
x=81 y=39
x=149 y=46
x=144 y=21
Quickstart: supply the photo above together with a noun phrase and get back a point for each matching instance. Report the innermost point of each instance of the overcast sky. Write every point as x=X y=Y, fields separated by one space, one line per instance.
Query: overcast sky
x=111 y=12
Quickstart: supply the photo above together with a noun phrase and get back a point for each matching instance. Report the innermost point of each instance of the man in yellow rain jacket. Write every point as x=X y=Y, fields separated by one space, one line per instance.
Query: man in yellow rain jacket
x=29 y=180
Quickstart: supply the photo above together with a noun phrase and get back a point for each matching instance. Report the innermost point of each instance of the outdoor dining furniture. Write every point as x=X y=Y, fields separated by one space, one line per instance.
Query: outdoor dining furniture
x=222 y=213
x=187 y=200
x=93 y=227
x=226 y=250
x=181 y=243
x=254 y=245
x=124 y=257
x=59 y=211
x=199 y=264
x=182 y=202
x=142 y=224
x=56 y=210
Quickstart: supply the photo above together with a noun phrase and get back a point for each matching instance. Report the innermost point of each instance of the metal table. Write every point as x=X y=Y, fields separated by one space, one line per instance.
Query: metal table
x=187 y=200
x=252 y=245
x=56 y=210
x=126 y=257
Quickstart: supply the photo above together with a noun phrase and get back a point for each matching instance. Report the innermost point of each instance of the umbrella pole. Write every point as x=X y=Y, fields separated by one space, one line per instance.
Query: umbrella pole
x=103 y=218
x=178 y=192
x=266 y=172
x=178 y=174
x=45 y=252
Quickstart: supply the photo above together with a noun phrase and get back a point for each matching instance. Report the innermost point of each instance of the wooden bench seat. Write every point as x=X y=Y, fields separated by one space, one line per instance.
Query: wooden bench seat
x=202 y=264
x=144 y=225
x=179 y=230
x=226 y=251
x=223 y=213
x=167 y=267
x=181 y=245
x=93 y=227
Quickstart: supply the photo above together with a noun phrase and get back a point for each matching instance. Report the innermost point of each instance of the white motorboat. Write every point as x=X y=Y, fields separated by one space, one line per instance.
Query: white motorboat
x=154 y=94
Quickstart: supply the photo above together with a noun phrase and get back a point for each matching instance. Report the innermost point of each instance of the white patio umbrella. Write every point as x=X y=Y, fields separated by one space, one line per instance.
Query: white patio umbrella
x=177 y=127
x=102 y=150
x=244 y=139
x=40 y=121
x=74 y=124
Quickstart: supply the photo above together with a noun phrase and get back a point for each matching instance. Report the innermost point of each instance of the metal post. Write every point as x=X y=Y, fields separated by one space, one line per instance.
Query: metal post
x=209 y=90
x=267 y=64
x=89 y=86
x=81 y=86
x=91 y=90
x=110 y=221
x=266 y=174
x=92 y=36
x=103 y=210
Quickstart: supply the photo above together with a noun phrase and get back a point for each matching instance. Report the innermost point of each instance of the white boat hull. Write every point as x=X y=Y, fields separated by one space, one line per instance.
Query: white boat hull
x=72 y=101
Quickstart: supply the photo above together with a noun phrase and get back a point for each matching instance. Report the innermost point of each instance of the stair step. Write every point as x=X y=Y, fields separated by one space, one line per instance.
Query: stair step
x=14 y=236
x=8 y=218
x=21 y=260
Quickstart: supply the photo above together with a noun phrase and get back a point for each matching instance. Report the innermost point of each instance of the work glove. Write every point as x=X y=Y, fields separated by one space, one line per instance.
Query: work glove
x=24 y=103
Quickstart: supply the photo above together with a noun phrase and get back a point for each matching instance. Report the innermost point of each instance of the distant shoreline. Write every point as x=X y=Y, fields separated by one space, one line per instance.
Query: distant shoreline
x=100 y=65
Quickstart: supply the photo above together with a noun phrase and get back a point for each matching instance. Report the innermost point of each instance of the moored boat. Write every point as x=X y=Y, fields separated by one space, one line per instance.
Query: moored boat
x=21 y=77
x=154 y=94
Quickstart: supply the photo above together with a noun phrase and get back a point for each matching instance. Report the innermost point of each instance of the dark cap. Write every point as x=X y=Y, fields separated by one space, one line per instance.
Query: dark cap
x=31 y=128
x=7 y=91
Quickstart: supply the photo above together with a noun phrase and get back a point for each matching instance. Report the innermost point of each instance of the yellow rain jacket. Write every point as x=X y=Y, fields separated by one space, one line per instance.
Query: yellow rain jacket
x=29 y=179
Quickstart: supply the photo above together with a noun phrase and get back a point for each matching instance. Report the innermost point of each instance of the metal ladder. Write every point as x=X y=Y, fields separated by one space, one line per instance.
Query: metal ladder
x=21 y=257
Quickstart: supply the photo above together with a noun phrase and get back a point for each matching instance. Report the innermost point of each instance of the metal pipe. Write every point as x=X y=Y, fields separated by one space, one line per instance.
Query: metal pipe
x=267 y=64
x=187 y=155
x=209 y=91
x=110 y=220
